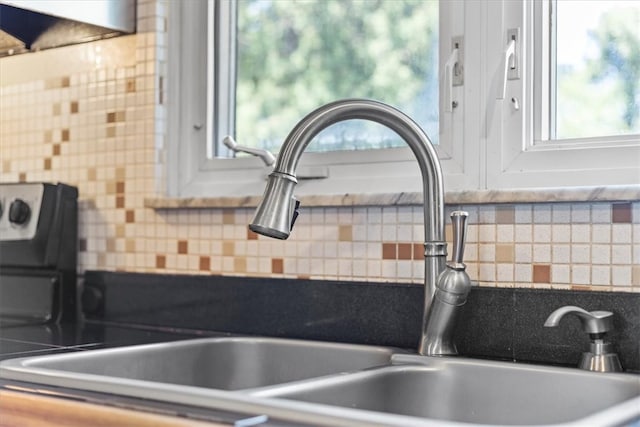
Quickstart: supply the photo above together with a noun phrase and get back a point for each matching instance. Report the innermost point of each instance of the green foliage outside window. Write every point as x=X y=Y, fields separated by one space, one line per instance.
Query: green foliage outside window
x=599 y=94
x=296 y=55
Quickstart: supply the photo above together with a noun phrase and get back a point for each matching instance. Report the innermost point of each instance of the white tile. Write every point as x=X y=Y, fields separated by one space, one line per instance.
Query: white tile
x=600 y=275
x=541 y=213
x=560 y=274
x=359 y=215
x=486 y=214
x=374 y=215
x=345 y=250
x=359 y=233
x=561 y=233
x=374 y=268
x=621 y=254
x=561 y=213
x=601 y=213
x=580 y=233
x=405 y=269
x=316 y=267
x=418 y=271
x=541 y=253
x=505 y=233
x=487 y=273
x=523 y=273
x=621 y=275
x=359 y=268
x=317 y=251
x=581 y=275
x=580 y=212
x=374 y=251
x=621 y=233
x=374 y=233
x=504 y=272
x=405 y=233
x=345 y=268
x=487 y=233
x=389 y=233
x=345 y=216
x=561 y=254
x=389 y=215
x=601 y=233
x=330 y=249
x=405 y=215
x=635 y=212
x=303 y=266
x=541 y=233
x=523 y=253
x=359 y=250
x=580 y=254
x=471 y=252
x=601 y=254
x=487 y=253
x=252 y=265
x=523 y=233
x=389 y=270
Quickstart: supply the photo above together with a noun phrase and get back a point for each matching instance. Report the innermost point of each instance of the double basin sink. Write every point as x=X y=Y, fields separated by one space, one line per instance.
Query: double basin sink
x=319 y=383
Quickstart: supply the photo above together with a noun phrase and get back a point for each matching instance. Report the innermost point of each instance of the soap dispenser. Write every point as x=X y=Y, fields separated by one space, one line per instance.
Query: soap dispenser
x=601 y=356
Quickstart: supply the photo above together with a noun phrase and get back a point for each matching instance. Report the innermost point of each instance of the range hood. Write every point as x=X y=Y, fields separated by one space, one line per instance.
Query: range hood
x=29 y=25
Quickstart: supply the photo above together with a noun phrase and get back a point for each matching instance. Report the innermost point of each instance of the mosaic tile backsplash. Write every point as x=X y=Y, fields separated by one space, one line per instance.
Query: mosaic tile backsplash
x=93 y=116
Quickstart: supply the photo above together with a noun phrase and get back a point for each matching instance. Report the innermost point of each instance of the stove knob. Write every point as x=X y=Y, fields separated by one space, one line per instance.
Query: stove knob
x=19 y=212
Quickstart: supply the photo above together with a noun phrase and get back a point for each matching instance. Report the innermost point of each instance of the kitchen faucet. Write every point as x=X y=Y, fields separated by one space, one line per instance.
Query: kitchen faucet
x=446 y=285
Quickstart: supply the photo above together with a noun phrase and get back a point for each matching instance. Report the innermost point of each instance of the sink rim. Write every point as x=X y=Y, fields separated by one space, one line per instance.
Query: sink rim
x=427 y=364
x=259 y=401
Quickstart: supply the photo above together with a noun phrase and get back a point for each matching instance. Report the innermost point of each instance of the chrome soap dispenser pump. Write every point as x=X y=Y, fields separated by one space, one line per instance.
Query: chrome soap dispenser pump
x=451 y=292
x=601 y=356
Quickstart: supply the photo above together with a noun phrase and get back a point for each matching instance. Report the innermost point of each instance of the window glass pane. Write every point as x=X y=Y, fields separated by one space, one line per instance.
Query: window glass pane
x=598 y=68
x=296 y=55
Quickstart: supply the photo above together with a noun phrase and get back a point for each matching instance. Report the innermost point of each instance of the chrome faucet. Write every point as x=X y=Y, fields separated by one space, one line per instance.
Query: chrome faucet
x=278 y=209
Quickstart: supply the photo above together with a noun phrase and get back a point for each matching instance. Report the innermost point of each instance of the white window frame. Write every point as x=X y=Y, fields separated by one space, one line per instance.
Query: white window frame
x=191 y=173
x=518 y=146
x=485 y=143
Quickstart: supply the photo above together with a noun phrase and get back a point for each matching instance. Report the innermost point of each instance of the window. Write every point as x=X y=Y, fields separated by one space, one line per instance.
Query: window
x=293 y=56
x=595 y=75
x=566 y=121
x=558 y=107
x=266 y=64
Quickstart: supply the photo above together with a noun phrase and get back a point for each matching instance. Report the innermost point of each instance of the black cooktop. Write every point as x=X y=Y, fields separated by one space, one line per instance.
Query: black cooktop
x=40 y=339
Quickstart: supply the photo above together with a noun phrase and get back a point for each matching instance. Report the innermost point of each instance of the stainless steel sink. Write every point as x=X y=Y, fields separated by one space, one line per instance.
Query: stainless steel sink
x=331 y=384
x=471 y=391
x=218 y=363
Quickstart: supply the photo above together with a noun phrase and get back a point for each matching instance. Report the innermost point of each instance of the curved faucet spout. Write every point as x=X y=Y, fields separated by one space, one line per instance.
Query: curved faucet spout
x=278 y=209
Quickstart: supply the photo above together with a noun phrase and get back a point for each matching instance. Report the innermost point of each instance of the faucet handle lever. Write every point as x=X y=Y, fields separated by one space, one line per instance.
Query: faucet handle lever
x=267 y=157
x=459 y=224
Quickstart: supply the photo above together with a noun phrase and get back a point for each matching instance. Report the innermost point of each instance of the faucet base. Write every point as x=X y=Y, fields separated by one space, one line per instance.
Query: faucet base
x=431 y=347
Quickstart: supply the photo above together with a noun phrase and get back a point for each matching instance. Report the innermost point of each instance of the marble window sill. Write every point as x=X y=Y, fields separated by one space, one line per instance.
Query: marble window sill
x=587 y=194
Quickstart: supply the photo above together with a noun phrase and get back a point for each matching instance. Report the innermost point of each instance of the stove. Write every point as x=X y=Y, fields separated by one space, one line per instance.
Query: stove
x=38 y=253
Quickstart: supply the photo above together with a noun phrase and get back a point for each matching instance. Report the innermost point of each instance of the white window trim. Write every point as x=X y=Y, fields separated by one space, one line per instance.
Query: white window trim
x=517 y=156
x=485 y=144
x=191 y=174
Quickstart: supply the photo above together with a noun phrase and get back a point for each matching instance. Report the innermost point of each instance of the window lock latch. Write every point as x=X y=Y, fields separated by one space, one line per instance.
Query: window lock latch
x=267 y=157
